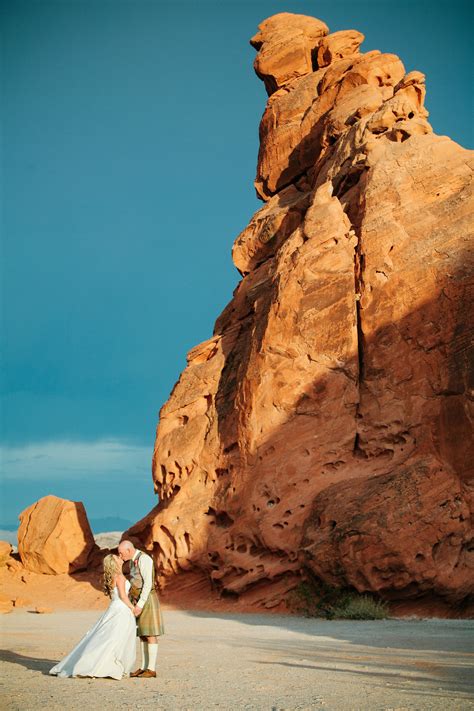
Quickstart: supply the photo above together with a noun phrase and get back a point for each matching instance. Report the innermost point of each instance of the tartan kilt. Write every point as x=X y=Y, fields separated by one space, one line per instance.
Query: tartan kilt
x=150 y=620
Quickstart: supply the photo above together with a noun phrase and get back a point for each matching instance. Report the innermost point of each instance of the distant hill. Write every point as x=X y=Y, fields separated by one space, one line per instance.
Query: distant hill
x=110 y=539
x=7 y=534
x=105 y=539
x=109 y=523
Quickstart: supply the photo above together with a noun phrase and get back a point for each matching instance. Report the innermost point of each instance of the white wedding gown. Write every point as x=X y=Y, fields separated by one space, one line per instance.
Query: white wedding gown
x=108 y=649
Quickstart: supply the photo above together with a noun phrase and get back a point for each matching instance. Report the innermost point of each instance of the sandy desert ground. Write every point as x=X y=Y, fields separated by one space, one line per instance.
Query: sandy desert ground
x=244 y=661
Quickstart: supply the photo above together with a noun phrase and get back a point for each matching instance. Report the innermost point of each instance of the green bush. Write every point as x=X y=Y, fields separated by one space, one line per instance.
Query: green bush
x=314 y=598
x=361 y=607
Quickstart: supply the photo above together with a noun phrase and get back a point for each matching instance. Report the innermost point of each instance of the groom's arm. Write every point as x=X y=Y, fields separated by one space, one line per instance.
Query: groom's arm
x=146 y=569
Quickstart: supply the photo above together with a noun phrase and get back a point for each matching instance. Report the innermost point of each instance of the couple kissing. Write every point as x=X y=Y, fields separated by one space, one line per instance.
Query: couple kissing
x=108 y=649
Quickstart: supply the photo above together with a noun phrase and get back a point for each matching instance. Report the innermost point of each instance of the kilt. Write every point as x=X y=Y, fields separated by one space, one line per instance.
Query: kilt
x=150 y=620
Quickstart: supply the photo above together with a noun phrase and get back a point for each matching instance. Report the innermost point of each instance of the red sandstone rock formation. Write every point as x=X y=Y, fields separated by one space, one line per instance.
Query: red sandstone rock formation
x=327 y=422
x=54 y=537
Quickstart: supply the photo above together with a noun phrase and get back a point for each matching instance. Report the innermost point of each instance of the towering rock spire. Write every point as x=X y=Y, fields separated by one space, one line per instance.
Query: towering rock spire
x=326 y=424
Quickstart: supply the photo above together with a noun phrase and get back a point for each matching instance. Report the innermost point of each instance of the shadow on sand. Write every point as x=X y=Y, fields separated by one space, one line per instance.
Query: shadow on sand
x=426 y=656
x=33 y=663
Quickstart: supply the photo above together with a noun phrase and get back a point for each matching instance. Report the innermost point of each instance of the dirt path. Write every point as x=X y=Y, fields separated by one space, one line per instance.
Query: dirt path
x=225 y=661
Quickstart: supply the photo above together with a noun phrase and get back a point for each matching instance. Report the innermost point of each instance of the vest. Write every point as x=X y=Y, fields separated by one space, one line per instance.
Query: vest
x=136 y=579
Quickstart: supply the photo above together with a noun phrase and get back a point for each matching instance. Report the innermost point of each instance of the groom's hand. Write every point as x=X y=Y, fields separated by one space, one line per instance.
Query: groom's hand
x=137 y=610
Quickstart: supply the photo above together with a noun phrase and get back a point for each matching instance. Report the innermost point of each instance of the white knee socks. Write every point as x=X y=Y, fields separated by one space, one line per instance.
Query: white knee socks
x=152 y=655
x=145 y=655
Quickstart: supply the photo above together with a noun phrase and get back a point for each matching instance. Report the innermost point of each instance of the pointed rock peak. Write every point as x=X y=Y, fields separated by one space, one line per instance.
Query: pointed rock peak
x=325 y=93
x=311 y=27
x=287 y=47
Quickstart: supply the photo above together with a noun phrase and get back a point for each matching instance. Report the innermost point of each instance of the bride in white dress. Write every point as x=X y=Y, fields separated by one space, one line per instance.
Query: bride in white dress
x=108 y=649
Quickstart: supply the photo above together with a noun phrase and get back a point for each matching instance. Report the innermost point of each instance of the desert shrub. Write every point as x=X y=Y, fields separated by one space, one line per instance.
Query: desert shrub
x=314 y=598
x=361 y=607
x=303 y=601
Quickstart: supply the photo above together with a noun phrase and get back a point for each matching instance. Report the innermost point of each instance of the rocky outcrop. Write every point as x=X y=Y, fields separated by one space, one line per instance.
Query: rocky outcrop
x=5 y=550
x=54 y=537
x=359 y=534
x=326 y=425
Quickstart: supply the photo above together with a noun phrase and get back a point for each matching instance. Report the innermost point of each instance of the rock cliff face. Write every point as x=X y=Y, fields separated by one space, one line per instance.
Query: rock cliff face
x=326 y=425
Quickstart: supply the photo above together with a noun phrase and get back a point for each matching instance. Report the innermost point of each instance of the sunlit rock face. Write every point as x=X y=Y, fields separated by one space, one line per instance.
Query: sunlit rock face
x=55 y=537
x=326 y=425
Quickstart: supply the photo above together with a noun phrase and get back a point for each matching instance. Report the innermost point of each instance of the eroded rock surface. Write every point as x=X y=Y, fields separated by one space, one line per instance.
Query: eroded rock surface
x=327 y=424
x=54 y=537
x=5 y=550
x=360 y=535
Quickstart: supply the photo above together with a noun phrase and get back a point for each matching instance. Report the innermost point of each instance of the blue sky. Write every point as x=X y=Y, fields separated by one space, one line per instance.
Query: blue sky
x=129 y=144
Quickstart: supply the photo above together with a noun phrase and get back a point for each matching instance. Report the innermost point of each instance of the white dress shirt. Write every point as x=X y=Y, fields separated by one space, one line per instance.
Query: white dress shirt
x=145 y=566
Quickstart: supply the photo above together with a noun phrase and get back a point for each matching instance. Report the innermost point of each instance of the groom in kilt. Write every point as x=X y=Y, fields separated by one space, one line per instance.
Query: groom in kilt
x=144 y=597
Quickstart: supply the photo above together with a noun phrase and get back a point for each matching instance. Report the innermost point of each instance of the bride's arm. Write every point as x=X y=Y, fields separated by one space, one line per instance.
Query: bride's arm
x=120 y=583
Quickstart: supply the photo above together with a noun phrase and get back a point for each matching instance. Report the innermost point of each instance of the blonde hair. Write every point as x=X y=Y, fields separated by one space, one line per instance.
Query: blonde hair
x=110 y=571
